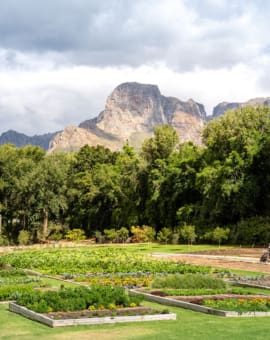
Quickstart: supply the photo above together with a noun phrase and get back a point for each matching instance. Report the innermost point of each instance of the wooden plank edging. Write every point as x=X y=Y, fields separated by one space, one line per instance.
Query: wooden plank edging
x=13 y=307
x=196 y=308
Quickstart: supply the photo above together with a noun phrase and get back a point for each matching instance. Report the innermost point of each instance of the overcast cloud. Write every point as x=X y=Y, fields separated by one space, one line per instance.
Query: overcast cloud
x=60 y=59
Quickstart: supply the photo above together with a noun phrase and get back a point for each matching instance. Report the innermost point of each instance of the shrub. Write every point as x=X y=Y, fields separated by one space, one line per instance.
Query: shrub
x=188 y=281
x=23 y=237
x=11 y=292
x=122 y=234
x=75 y=235
x=56 y=231
x=72 y=299
x=143 y=233
x=253 y=231
x=110 y=234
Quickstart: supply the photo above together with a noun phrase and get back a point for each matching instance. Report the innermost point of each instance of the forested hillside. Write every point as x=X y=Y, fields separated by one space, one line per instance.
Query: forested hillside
x=224 y=183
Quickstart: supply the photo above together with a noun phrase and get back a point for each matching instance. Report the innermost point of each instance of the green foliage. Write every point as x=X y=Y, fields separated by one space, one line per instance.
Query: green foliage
x=188 y=281
x=73 y=299
x=161 y=145
x=110 y=235
x=122 y=234
x=9 y=292
x=258 y=304
x=56 y=231
x=142 y=234
x=223 y=183
x=11 y=273
x=100 y=260
x=75 y=235
x=211 y=291
x=252 y=231
x=188 y=233
x=164 y=235
x=218 y=235
x=24 y=237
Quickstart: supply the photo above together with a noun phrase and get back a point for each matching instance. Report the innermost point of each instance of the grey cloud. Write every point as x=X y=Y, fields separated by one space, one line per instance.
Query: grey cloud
x=181 y=34
x=47 y=110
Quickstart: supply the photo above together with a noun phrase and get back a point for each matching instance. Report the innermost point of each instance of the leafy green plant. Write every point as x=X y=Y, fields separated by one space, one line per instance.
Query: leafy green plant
x=255 y=304
x=72 y=299
x=100 y=260
x=75 y=235
x=188 y=281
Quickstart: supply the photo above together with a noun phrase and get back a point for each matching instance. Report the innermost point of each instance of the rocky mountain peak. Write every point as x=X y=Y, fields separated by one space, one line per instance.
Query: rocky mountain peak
x=131 y=113
x=221 y=108
x=132 y=107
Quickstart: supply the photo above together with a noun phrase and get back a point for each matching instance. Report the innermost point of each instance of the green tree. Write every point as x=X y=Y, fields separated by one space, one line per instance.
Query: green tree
x=164 y=235
x=220 y=234
x=46 y=189
x=229 y=182
x=161 y=145
x=111 y=235
x=188 y=233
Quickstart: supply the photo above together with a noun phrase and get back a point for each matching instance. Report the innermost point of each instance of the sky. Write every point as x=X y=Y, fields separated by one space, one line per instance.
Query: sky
x=60 y=59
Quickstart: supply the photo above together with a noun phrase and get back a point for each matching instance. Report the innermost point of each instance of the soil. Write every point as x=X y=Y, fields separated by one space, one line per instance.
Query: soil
x=101 y=313
x=225 y=262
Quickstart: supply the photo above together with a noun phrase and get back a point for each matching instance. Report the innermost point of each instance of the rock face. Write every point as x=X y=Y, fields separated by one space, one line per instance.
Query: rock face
x=20 y=139
x=131 y=113
x=221 y=108
x=133 y=110
x=72 y=138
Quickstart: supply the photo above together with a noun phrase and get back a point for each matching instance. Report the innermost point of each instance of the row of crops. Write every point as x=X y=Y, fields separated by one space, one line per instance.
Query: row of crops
x=94 y=260
x=112 y=270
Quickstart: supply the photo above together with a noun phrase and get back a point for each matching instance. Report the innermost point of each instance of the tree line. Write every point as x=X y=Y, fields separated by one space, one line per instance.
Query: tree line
x=225 y=183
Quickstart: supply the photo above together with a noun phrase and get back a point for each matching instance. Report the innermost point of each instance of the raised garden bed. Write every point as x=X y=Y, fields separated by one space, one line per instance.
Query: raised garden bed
x=89 y=317
x=195 y=303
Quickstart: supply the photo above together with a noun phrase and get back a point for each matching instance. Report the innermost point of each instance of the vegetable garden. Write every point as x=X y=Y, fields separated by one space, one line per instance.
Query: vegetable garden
x=106 y=275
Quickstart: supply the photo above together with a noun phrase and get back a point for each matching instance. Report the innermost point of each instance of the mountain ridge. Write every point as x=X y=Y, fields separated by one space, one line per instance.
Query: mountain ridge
x=130 y=114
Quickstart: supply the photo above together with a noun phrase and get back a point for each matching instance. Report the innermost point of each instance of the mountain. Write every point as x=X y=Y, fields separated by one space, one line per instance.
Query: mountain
x=73 y=137
x=131 y=113
x=221 y=108
x=20 y=139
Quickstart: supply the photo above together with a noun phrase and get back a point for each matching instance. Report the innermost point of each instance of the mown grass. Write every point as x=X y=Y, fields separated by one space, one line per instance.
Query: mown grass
x=189 y=325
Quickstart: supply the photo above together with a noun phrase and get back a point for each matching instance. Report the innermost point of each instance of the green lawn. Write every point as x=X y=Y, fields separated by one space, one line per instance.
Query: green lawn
x=189 y=325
